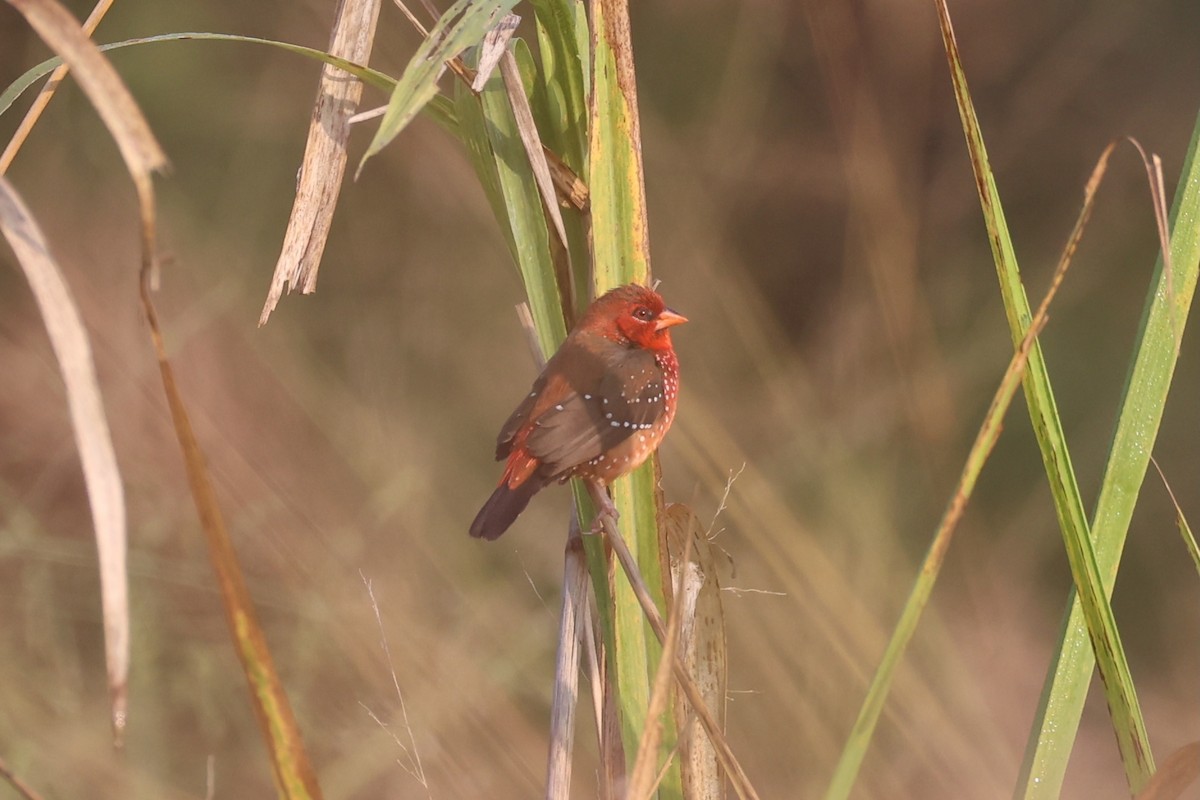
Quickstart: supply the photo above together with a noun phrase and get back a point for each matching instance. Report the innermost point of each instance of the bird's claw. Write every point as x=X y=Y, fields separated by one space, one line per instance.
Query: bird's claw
x=606 y=511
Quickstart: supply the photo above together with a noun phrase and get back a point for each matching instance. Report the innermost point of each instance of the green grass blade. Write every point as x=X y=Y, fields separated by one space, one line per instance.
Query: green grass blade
x=620 y=254
x=439 y=108
x=463 y=25
x=846 y=771
x=1120 y=693
x=1141 y=412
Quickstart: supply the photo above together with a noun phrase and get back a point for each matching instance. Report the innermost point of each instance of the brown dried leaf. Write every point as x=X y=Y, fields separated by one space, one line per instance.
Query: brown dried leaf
x=92 y=438
x=324 y=164
x=702 y=648
x=566 y=667
x=645 y=778
x=733 y=768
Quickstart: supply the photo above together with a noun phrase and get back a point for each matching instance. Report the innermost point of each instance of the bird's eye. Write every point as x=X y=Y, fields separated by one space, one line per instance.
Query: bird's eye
x=643 y=313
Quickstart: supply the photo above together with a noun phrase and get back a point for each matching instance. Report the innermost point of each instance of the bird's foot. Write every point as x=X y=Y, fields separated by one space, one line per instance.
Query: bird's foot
x=606 y=511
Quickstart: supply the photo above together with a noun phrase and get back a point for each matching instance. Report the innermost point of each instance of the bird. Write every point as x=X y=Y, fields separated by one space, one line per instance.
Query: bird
x=599 y=408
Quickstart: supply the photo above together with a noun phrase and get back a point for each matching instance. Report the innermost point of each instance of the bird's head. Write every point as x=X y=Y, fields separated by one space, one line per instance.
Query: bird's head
x=635 y=314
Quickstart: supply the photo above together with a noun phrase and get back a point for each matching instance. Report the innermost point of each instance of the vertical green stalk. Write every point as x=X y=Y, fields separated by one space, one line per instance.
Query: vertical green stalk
x=621 y=254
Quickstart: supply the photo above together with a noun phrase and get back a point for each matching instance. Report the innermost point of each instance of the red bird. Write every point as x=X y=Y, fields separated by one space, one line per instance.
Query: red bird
x=599 y=408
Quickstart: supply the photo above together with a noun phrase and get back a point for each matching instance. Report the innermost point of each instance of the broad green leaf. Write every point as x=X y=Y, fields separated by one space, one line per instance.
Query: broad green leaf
x=560 y=105
x=579 y=255
x=562 y=40
x=526 y=219
x=474 y=135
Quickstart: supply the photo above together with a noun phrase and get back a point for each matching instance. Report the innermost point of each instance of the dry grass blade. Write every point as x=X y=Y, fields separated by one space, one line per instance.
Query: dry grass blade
x=566 y=667
x=47 y=93
x=414 y=766
x=18 y=785
x=495 y=45
x=142 y=156
x=1185 y=530
x=1176 y=774
x=1158 y=198
x=325 y=155
x=105 y=491
x=737 y=776
x=846 y=772
x=295 y=778
x=646 y=776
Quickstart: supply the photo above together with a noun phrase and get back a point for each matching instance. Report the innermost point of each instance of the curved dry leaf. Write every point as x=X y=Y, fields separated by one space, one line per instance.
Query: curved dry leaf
x=34 y=113
x=92 y=438
x=113 y=102
x=99 y=81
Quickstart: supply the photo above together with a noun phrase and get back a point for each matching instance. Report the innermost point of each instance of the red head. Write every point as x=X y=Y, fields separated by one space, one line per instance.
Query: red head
x=632 y=313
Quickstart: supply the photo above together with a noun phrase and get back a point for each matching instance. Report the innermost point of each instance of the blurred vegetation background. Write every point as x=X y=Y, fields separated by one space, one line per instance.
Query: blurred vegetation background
x=812 y=212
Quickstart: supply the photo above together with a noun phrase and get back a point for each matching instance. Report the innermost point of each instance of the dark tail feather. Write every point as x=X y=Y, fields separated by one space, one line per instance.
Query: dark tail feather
x=504 y=506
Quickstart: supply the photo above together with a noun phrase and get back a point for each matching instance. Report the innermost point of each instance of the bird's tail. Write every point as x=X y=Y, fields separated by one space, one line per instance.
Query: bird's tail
x=504 y=506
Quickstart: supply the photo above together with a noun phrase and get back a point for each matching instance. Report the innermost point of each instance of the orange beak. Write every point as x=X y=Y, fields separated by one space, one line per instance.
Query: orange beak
x=669 y=319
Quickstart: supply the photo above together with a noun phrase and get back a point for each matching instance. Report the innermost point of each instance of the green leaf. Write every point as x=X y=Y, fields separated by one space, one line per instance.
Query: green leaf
x=463 y=25
x=526 y=219
x=560 y=106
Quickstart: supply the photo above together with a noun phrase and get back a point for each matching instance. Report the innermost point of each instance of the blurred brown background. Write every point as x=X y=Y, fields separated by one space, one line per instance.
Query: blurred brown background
x=812 y=212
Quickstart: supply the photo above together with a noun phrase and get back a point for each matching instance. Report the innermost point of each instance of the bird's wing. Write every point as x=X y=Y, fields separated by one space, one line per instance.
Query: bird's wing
x=518 y=419
x=585 y=424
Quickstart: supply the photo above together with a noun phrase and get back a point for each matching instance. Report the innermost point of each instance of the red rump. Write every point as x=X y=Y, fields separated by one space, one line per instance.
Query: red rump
x=598 y=410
